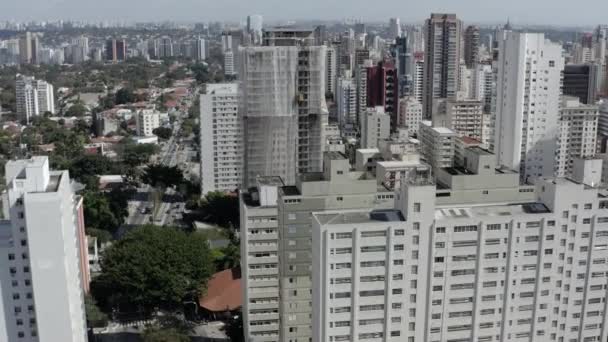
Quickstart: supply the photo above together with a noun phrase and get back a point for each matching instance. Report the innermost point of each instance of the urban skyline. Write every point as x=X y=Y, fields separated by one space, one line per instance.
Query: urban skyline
x=520 y=12
x=304 y=182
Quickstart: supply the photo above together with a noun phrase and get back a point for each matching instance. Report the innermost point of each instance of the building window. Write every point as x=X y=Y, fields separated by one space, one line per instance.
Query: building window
x=416 y=207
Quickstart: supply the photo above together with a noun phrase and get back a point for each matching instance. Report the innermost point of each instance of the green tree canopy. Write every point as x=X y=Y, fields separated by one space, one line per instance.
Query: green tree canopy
x=77 y=109
x=162 y=176
x=95 y=317
x=220 y=209
x=163 y=132
x=153 y=268
x=134 y=155
x=124 y=95
x=98 y=213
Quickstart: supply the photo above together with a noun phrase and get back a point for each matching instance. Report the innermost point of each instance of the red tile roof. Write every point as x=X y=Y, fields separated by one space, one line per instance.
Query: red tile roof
x=223 y=291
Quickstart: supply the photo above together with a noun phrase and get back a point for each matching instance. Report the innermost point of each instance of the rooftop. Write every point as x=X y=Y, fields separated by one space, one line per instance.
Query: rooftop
x=336 y=155
x=270 y=180
x=384 y=215
x=223 y=291
x=222 y=88
x=491 y=210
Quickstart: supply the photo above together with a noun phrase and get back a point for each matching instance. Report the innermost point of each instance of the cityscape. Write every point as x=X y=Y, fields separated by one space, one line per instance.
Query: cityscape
x=387 y=176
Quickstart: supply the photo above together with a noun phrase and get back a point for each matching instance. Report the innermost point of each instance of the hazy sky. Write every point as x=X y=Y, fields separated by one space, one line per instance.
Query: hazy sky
x=556 y=12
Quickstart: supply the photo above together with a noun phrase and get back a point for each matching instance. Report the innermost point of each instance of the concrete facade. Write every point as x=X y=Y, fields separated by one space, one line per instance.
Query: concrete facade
x=42 y=278
x=221 y=139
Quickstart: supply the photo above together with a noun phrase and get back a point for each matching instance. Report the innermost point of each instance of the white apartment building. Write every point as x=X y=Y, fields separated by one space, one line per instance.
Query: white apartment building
x=410 y=115
x=26 y=97
x=463 y=116
x=375 y=126
x=346 y=101
x=260 y=261
x=46 y=97
x=436 y=145
x=484 y=85
x=528 y=103
x=578 y=133
x=33 y=97
x=359 y=275
x=146 y=121
x=229 y=67
x=418 y=80
x=221 y=139
x=487 y=130
x=338 y=187
x=480 y=258
x=43 y=268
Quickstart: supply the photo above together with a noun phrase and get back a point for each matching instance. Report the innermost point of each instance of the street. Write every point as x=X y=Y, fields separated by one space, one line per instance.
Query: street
x=177 y=151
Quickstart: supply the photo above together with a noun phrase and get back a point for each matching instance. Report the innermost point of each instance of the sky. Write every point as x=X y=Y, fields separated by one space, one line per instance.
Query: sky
x=520 y=12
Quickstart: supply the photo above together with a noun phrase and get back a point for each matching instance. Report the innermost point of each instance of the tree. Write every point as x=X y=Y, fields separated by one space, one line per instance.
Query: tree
x=164 y=335
x=161 y=176
x=230 y=255
x=220 y=209
x=153 y=268
x=98 y=212
x=95 y=317
x=234 y=329
x=163 y=132
x=134 y=155
x=77 y=110
x=87 y=168
x=124 y=95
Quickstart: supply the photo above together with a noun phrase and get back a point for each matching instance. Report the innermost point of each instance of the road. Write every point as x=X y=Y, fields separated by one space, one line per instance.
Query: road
x=175 y=152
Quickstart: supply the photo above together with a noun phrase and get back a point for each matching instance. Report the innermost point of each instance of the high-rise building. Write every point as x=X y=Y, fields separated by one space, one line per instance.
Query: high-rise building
x=42 y=240
x=165 y=47
x=463 y=116
x=116 y=50
x=437 y=145
x=331 y=73
x=358 y=270
x=404 y=66
x=336 y=188
x=254 y=27
x=33 y=97
x=471 y=46
x=29 y=47
x=528 y=103
x=602 y=130
x=361 y=79
x=418 y=80
x=260 y=261
x=484 y=86
x=221 y=139
x=346 y=101
x=580 y=81
x=458 y=254
x=375 y=126
x=147 y=120
x=577 y=135
x=383 y=89
x=229 y=66
x=46 y=97
x=26 y=98
x=201 y=49
x=284 y=109
x=394 y=28
x=410 y=115
x=441 y=59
